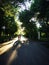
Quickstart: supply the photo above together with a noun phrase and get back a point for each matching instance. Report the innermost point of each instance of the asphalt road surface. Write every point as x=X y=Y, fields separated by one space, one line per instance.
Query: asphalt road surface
x=32 y=53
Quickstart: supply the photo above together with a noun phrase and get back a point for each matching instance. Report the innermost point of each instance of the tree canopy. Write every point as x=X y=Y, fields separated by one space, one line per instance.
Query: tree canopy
x=38 y=12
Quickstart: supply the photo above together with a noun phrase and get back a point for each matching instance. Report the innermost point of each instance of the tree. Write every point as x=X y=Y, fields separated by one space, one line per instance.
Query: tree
x=42 y=6
x=39 y=10
x=30 y=27
x=8 y=10
x=8 y=25
x=1 y=20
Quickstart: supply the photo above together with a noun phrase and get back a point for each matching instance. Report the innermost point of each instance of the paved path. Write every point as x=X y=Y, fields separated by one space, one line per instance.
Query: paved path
x=33 y=53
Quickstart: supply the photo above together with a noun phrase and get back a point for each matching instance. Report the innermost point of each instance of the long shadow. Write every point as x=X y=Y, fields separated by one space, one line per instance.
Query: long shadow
x=21 y=52
x=28 y=54
x=31 y=54
x=4 y=57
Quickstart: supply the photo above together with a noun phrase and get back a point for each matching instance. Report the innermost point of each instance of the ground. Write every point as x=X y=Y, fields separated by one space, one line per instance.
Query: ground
x=31 y=53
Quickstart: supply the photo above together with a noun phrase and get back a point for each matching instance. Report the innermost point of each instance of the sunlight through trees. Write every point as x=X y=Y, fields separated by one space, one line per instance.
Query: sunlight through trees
x=17 y=17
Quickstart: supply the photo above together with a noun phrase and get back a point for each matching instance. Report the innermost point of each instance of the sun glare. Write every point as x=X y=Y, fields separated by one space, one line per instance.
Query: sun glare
x=38 y=24
x=26 y=5
x=5 y=48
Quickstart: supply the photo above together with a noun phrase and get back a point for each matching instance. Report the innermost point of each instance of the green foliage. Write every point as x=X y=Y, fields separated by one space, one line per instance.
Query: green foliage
x=41 y=6
x=30 y=27
x=7 y=21
x=12 y=2
x=1 y=20
x=8 y=9
x=10 y=25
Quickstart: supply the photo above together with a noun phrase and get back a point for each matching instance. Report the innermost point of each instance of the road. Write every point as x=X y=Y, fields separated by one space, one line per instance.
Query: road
x=32 y=53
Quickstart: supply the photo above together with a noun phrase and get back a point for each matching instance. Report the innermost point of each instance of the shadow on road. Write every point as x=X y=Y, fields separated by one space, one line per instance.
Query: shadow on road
x=26 y=54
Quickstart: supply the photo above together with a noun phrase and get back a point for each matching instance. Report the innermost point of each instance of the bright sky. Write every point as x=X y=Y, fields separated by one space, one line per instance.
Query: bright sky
x=26 y=5
x=38 y=24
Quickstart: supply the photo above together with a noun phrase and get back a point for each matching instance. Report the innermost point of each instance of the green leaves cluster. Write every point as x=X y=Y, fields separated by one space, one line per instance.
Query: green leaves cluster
x=40 y=10
x=30 y=27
